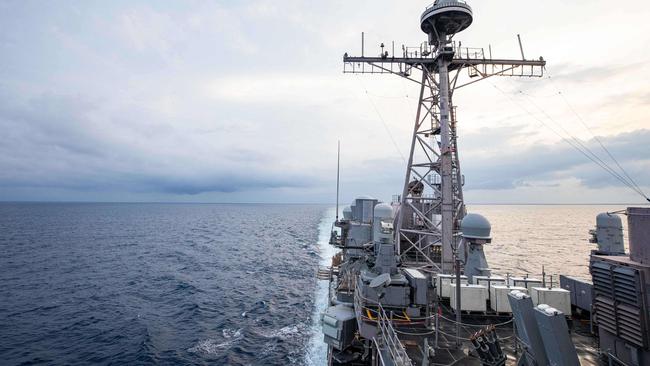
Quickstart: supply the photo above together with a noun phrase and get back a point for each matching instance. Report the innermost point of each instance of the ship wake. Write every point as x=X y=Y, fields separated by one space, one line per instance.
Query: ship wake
x=317 y=349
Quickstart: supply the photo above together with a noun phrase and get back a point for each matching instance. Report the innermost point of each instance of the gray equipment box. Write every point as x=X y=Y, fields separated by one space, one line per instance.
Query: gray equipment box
x=339 y=325
x=418 y=282
x=555 y=336
x=527 y=330
x=581 y=291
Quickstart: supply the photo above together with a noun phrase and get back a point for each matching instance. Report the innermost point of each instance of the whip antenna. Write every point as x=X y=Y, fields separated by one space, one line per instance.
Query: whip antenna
x=338 y=169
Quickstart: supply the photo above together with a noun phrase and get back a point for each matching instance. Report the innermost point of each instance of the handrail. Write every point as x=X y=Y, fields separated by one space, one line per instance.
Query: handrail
x=469 y=53
x=389 y=338
x=386 y=335
x=381 y=357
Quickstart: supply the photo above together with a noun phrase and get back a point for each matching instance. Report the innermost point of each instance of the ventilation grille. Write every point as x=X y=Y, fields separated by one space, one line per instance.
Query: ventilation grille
x=626 y=285
x=605 y=313
x=618 y=303
x=601 y=274
x=629 y=324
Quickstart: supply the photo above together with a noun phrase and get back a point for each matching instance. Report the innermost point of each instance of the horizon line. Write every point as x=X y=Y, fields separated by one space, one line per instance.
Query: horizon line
x=323 y=203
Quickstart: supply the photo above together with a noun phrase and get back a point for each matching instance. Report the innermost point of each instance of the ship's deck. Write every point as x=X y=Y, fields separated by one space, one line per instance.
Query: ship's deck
x=448 y=353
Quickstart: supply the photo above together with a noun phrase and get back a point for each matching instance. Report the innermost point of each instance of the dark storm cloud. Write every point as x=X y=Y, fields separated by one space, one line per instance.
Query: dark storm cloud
x=223 y=183
x=54 y=141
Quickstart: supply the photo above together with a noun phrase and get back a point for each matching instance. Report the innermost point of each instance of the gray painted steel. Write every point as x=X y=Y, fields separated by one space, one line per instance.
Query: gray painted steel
x=581 y=292
x=419 y=283
x=476 y=232
x=527 y=329
x=339 y=324
x=555 y=336
x=347 y=213
x=638 y=219
x=475 y=226
x=608 y=234
x=621 y=298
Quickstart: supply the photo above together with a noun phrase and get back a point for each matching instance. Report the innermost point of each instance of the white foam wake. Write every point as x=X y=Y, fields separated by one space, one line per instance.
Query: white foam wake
x=212 y=346
x=317 y=349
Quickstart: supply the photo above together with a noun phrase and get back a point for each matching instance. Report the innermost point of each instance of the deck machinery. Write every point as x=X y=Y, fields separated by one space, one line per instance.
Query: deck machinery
x=397 y=260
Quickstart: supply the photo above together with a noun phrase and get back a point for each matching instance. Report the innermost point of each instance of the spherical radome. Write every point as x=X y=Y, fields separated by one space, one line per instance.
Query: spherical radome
x=475 y=226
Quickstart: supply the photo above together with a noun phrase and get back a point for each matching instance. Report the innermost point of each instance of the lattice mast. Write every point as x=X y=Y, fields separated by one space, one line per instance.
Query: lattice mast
x=431 y=204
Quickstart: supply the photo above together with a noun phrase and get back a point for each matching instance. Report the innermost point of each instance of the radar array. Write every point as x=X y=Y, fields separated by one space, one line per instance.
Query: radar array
x=431 y=203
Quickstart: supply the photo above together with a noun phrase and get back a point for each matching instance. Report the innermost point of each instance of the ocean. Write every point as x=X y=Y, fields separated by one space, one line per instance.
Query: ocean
x=176 y=284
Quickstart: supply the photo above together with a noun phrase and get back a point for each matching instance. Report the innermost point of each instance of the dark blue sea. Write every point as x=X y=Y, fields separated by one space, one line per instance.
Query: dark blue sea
x=160 y=283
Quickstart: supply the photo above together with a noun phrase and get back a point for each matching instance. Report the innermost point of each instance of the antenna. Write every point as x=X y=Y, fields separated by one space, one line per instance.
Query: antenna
x=338 y=170
x=431 y=209
x=521 y=48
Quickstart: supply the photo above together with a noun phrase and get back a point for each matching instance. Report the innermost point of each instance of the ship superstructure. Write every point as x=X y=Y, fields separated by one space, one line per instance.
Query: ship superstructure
x=408 y=270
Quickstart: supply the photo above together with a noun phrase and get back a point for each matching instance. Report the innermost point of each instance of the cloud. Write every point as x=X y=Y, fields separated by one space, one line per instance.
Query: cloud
x=270 y=89
x=246 y=100
x=543 y=164
x=69 y=142
x=580 y=73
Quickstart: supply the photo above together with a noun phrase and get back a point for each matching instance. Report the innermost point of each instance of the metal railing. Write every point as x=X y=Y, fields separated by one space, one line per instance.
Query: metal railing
x=389 y=341
x=469 y=53
x=386 y=338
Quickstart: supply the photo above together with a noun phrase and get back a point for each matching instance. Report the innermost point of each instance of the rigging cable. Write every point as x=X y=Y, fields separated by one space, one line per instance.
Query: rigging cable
x=381 y=118
x=581 y=144
x=598 y=162
x=584 y=124
x=587 y=149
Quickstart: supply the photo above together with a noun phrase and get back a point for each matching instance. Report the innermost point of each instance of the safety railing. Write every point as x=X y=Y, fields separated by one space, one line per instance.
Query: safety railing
x=391 y=351
x=389 y=342
x=469 y=53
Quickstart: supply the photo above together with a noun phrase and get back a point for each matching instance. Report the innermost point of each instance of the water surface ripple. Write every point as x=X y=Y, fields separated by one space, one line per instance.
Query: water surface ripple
x=157 y=283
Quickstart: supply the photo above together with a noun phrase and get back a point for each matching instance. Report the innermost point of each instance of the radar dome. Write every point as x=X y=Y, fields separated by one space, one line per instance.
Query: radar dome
x=475 y=226
x=383 y=210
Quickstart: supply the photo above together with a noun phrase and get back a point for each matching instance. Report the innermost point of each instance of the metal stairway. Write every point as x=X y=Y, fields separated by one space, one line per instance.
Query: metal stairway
x=391 y=351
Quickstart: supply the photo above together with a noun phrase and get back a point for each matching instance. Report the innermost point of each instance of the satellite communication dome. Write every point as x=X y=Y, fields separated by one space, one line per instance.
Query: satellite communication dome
x=475 y=226
x=445 y=17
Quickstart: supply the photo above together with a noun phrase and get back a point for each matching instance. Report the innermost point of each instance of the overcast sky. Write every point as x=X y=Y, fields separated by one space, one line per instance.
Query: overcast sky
x=243 y=101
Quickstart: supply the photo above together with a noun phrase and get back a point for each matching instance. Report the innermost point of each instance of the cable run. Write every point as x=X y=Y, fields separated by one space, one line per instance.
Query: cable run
x=576 y=147
x=586 y=148
x=581 y=144
x=584 y=124
x=383 y=122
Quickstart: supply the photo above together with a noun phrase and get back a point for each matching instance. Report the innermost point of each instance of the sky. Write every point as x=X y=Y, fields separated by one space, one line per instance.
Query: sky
x=244 y=101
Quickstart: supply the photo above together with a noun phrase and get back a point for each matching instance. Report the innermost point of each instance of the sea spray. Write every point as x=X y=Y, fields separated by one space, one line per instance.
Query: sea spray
x=317 y=349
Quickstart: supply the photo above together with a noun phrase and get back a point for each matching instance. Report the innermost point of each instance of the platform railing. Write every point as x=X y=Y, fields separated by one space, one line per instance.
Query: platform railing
x=469 y=53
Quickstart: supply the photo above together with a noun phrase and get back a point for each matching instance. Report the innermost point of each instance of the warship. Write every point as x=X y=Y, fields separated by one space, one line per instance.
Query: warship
x=411 y=284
